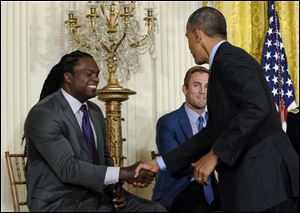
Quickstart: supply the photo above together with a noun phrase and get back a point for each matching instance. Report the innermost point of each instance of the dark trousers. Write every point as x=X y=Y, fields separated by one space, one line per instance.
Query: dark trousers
x=291 y=205
x=192 y=199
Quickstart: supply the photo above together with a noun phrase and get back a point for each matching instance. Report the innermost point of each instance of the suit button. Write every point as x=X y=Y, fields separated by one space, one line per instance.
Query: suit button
x=76 y=201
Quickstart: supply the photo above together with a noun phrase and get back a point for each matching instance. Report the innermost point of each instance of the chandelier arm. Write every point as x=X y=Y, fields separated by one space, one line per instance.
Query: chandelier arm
x=133 y=8
x=105 y=48
x=150 y=29
x=138 y=43
x=119 y=43
x=103 y=11
x=77 y=38
x=80 y=42
x=118 y=14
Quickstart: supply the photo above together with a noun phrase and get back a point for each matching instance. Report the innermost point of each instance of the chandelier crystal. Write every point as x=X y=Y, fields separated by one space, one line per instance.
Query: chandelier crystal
x=111 y=33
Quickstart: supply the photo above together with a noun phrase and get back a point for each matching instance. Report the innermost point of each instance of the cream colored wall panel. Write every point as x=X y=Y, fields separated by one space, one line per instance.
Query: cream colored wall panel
x=4 y=46
x=47 y=41
x=14 y=85
x=174 y=57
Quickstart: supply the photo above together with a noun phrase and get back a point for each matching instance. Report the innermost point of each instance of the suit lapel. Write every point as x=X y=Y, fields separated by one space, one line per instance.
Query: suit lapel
x=98 y=129
x=67 y=111
x=184 y=122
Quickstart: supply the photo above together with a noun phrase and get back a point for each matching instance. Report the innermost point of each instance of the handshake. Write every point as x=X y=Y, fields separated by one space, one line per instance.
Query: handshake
x=139 y=174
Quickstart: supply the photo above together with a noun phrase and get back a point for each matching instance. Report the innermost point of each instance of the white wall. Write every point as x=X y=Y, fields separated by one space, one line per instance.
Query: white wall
x=33 y=40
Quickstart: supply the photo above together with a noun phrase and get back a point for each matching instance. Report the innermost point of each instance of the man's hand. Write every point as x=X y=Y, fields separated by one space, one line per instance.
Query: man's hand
x=143 y=179
x=204 y=166
x=117 y=194
x=150 y=166
x=119 y=198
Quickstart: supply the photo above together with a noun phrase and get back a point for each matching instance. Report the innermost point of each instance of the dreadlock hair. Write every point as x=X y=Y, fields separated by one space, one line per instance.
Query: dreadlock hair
x=55 y=78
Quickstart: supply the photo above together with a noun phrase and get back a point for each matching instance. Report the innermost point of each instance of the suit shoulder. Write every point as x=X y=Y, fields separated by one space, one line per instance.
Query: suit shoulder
x=170 y=120
x=169 y=116
x=230 y=51
x=94 y=106
x=48 y=104
x=42 y=114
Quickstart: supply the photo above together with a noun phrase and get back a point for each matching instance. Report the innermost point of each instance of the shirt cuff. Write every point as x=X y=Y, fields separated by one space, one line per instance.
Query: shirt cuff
x=161 y=163
x=112 y=175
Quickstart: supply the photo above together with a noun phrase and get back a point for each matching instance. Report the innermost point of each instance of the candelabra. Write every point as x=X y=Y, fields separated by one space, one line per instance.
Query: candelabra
x=111 y=35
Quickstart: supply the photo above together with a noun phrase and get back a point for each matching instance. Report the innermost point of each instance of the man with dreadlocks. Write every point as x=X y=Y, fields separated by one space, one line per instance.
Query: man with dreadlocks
x=69 y=167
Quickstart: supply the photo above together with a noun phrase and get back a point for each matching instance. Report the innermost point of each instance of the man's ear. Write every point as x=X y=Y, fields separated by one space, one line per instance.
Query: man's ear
x=198 y=34
x=184 y=89
x=68 y=77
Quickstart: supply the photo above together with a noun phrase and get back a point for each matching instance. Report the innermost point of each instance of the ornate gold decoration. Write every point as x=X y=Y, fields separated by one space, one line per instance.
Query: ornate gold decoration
x=112 y=37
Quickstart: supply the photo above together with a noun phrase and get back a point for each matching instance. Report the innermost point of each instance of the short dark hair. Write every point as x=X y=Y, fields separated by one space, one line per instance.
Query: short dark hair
x=55 y=78
x=192 y=70
x=209 y=20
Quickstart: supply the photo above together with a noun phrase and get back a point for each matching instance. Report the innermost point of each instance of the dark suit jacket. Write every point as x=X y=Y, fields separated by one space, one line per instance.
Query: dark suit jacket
x=61 y=175
x=293 y=127
x=258 y=167
x=172 y=130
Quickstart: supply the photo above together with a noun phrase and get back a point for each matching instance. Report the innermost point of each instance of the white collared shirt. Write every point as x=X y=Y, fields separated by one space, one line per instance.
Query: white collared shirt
x=194 y=118
x=75 y=106
x=213 y=52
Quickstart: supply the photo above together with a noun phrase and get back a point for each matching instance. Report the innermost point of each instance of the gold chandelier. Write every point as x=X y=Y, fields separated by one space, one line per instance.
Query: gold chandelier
x=110 y=32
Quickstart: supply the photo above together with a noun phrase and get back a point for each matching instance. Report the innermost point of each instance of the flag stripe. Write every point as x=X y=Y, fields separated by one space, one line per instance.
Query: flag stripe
x=275 y=66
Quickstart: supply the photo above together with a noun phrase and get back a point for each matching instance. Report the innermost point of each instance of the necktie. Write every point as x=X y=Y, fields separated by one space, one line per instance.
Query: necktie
x=208 y=191
x=200 y=124
x=88 y=134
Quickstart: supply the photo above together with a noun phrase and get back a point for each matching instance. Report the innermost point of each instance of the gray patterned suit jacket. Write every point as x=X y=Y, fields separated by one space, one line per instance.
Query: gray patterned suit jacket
x=61 y=175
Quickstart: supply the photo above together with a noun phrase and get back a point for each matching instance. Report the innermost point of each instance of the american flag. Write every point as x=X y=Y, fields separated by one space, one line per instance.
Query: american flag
x=275 y=66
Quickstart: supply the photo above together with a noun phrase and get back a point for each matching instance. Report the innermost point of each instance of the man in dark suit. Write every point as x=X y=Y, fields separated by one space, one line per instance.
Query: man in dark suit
x=69 y=167
x=292 y=130
x=258 y=167
x=172 y=130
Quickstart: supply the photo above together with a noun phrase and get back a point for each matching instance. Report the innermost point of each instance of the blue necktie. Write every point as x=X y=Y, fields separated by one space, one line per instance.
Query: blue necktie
x=208 y=191
x=200 y=124
x=88 y=134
